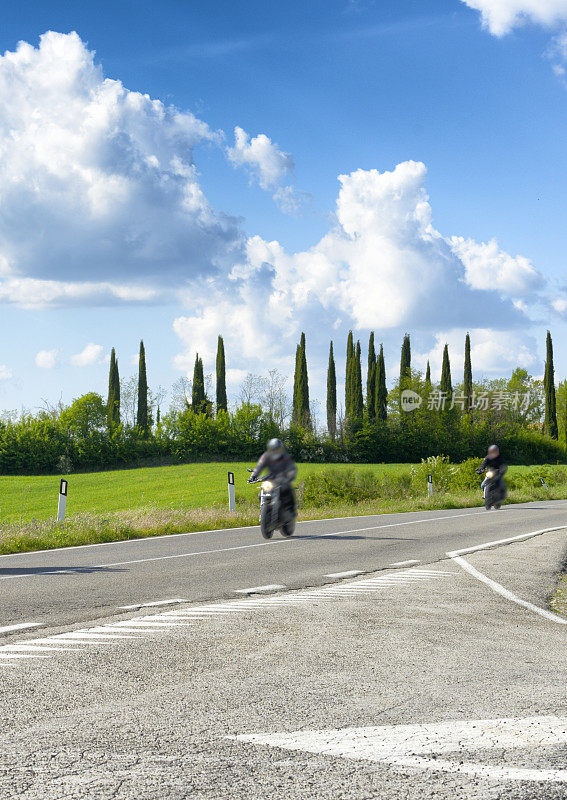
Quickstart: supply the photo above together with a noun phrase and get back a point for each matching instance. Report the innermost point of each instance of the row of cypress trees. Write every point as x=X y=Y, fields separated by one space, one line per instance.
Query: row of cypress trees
x=113 y=401
x=376 y=404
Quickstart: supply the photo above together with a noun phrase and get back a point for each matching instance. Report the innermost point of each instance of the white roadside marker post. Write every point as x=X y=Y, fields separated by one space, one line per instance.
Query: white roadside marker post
x=231 y=492
x=544 y=484
x=430 y=484
x=62 y=500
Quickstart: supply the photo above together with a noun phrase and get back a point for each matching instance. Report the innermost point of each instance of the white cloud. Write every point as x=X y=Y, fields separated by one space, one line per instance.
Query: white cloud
x=91 y=355
x=383 y=266
x=265 y=160
x=488 y=267
x=491 y=352
x=501 y=16
x=99 y=193
x=47 y=359
x=5 y=373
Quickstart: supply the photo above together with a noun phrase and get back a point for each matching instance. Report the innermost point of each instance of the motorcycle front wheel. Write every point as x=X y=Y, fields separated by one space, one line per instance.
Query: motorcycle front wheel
x=265 y=514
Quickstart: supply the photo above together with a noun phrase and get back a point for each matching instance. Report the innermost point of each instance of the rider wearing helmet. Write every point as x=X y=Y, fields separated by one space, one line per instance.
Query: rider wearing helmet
x=281 y=466
x=494 y=460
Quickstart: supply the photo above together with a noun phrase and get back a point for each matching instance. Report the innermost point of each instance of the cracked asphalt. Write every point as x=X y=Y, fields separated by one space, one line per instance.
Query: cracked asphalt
x=151 y=717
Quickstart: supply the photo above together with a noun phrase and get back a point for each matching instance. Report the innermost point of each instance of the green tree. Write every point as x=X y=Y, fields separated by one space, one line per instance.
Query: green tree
x=113 y=402
x=85 y=416
x=371 y=380
x=142 y=415
x=349 y=378
x=381 y=389
x=199 y=401
x=331 y=395
x=358 y=405
x=561 y=399
x=550 y=420
x=405 y=364
x=428 y=377
x=301 y=412
x=468 y=380
x=222 y=404
x=446 y=385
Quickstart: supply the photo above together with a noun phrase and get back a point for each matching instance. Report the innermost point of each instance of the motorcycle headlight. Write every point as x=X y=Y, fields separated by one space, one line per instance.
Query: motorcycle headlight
x=490 y=474
x=267 y=486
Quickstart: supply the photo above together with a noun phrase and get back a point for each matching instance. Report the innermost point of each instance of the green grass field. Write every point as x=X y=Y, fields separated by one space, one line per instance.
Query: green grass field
x=186 y=486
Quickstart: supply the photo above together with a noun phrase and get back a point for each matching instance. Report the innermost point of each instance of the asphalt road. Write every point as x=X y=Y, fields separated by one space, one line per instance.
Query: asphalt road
x=61 y=587
x=444 y=679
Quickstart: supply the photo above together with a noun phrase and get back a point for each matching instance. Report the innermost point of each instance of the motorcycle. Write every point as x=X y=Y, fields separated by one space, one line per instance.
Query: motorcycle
x=275 y=513
x=494 y=493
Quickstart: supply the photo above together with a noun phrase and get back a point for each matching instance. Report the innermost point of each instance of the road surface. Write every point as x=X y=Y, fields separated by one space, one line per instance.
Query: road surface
x=374 y=665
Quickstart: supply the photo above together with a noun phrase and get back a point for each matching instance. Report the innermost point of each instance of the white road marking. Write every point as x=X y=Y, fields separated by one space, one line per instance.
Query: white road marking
x=456 y=555
x=271 y=587
x=20 y=627
x=352 y=573
x=403 y=563
x=155 y=603
x=418 y=745
x=271 y=543
x=499 y=589
x=35 y=647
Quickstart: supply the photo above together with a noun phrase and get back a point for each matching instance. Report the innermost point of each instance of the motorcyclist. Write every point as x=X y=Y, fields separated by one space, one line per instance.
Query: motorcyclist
x=281 y=467
x=495 y=461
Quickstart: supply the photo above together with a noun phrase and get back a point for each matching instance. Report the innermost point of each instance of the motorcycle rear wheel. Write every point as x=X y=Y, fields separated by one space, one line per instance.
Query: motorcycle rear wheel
x=265 y=514
x=288 y=529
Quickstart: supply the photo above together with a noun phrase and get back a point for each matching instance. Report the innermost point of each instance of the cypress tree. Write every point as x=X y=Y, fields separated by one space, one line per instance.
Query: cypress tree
x=113 y=402
x=349 y=388
x=301 y=413
x=550 y=419
x=198 y=398
x=371 y=380
x=142 y=415
x=358 y=404
x=158 y=416
x=428 y=376
x=467 y=382
x=381 y=390
x=446 y=385
x=222 y=404
x=306 y=412
x=296 y=413
x=331 y=395
x=405 y=364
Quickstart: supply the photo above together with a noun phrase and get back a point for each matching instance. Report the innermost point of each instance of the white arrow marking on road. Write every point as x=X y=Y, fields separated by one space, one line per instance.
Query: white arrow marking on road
x=416 y=746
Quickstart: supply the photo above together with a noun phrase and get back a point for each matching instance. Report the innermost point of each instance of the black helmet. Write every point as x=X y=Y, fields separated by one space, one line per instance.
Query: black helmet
x=275 y=448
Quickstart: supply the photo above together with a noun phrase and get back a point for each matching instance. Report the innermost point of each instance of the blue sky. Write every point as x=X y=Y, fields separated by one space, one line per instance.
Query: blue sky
x=334 y=88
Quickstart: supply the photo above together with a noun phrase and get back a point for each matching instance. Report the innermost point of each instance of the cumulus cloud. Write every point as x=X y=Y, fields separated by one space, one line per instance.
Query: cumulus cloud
x=265 y=160
x=382 y=266
x=91 y=355
x=99 y=193
x=47 y=359
x=269 y=165
x=501 y=16
x=489 y=267
x=491 y=352
x=5 y=373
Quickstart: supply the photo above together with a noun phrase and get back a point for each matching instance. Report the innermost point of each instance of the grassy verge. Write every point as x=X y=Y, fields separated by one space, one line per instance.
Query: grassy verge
x=152 y=520
x=184 y=487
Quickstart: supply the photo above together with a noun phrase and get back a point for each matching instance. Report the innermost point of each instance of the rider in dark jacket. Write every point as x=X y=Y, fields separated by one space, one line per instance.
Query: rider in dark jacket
x=280 y=465
x=494 y=460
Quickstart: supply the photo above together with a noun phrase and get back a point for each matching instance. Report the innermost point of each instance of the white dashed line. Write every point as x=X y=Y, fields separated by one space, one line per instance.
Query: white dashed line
x=155 y=603
x=403 y=563
x=271 y=587
x=350 y=574
x=22 y=626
